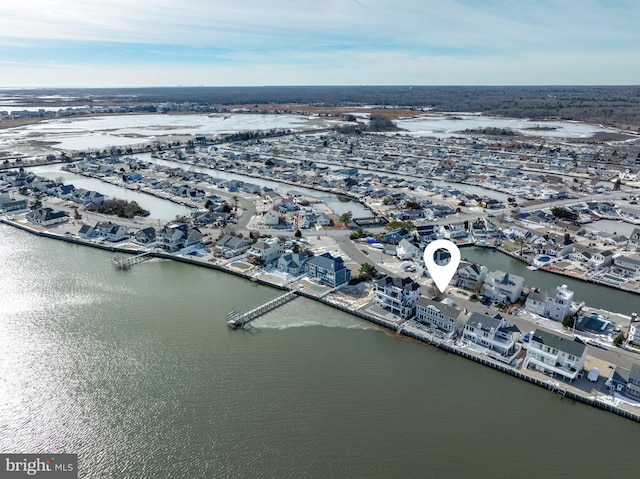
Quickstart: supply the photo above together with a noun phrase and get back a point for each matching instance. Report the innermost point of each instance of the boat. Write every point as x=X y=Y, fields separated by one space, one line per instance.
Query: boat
x=532 y=268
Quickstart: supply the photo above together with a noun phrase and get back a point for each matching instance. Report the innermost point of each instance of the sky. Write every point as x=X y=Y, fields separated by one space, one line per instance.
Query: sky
x=131 y=43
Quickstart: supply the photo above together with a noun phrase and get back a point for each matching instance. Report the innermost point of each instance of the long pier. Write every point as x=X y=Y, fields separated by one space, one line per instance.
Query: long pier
x=128 y=261
x=238 y=319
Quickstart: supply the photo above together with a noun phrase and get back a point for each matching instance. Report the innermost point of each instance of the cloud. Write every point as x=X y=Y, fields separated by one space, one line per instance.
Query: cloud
x=304 y=38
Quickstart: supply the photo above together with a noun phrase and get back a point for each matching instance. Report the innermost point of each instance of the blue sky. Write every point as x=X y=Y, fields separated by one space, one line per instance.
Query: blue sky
x=118 y=43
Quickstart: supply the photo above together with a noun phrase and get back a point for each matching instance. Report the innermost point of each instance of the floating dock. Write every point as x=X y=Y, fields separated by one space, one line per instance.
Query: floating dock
x=127 y=262
x=238 y=319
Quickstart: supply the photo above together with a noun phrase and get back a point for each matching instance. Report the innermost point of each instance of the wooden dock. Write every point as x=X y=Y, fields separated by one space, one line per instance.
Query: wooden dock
x=126 y=262
x=238 y=319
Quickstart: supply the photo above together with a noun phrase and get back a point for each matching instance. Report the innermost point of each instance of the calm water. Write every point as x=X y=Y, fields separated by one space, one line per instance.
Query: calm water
x=137 y=373
x=593 y=295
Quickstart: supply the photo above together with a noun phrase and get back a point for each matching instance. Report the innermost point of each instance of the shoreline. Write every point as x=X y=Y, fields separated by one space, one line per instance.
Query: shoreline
x=563 y=389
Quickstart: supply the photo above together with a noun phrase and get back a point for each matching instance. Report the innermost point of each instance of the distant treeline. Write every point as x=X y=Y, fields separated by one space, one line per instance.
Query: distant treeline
x=618 y=105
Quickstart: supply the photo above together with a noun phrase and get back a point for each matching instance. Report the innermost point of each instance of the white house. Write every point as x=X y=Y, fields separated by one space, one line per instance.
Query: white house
x=471 y=276
x=634 y=240
x=230 y=246
x=439 y=315
x=536 y=302
x=558 y=306
x=111 y=231
x=292 y=263
x=626 y=266
x=397 y=295
x=554 y=354
x=407 y=250
x=271 y=218
x=490 y=332
x=266 y=250
x=634 y=333
x=502 y=286
x=46 y=216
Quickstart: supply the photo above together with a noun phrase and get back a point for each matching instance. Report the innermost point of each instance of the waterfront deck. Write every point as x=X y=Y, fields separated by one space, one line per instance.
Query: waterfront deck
x=128 y=261
x=238 y=319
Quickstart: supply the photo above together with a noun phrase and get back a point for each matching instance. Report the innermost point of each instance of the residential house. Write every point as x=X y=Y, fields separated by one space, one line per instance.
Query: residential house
x=87 y=231
x=293 y=263
x=493 y=333
x=627 y=381
x=439 y=315
x=46 y=217
x=634 y=333
x=271 y=218
x=328 y=270
x=231 y=246
x=634 y=240
x=406 y=250
x=171 y=237
x=266 y=250
x=397 y=295
x=558 y=306
x=396 y=235
x=428 y=233
x=471 y=276
x=590 y=257
x=308 y=220
x=626 y=266
x=146 y=235
x=111 y=231
x=88 y=198
x=536 y=302
x=8 y=205
x=554 y=354
x=502 y=286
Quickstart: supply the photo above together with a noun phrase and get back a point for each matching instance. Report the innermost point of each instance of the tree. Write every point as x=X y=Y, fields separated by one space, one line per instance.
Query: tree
x=521 y=241
x=568 y=320
x=563 y=213
x=76 y=214
x=412 y=205
x=367 y=271
x=235 y=204
x=619 y=339
x=208 y=204
x=345 y=218
x=298 y=234
x=36 y=204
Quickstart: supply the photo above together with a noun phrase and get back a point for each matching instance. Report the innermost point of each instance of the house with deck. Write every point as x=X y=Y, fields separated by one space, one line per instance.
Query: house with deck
x=328 y=270
x=231 y=246
x=627 y=381
x=399 y=296
x=293 y=263
x=265 y=250
x=556 y=355
x=471 y=276
x=501 y=286
x=493 y=333
x=634 y=239
x=443 y=317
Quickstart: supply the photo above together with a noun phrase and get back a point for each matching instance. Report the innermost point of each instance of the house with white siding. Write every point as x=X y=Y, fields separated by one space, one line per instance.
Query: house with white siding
x=556 y=355
x=397 y=295
x=439 y=315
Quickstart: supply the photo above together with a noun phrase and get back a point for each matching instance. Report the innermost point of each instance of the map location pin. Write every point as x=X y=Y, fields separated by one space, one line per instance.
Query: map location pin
x=441 y=274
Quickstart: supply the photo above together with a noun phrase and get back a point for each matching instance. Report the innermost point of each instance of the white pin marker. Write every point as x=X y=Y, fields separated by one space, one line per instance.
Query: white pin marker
x=441 y=274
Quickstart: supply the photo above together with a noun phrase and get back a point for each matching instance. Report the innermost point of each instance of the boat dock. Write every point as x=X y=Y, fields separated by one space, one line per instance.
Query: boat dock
x=238 y=319
x=127 y=262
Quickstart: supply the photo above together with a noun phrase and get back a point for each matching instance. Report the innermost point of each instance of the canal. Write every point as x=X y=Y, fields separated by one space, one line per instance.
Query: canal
x=593 y=295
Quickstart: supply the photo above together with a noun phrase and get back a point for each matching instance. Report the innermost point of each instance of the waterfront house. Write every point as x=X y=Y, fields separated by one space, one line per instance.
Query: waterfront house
x=146 y=235
x=627 y=381
x=293 y=263
x=550 y=306
x=111 y=231
x=553 y=354
x=439 y=315
x=471 y=276
x=87 y=198
x=502 y=286
x=312 y=219
x=328 y=270
x=627 y=266
x=493 y=333
x=9 y=205
x=634 y=333
x=397 y=295
x=428 y=233
x=87 y=231
x=265 y=250
x=46 y=217
x=231 y=246
x=171 y=236
x=406 y=250
x=634 y=240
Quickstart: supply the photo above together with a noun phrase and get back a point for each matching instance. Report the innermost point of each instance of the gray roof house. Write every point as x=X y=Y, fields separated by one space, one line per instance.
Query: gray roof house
x=556 y=355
